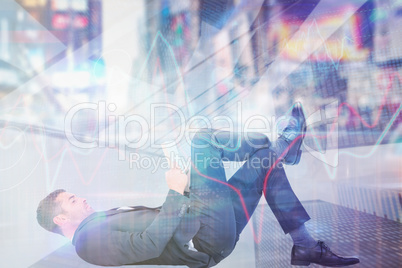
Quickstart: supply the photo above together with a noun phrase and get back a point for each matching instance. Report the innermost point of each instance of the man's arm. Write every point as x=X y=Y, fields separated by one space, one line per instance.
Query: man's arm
x=177 y=180
x=116 y=247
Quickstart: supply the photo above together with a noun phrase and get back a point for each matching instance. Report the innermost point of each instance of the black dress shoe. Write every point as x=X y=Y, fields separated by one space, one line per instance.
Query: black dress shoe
x=320 y=254
x=295 y=128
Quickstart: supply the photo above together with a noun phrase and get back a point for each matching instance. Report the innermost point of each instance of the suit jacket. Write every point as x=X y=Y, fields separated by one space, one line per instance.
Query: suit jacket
x=141 y=236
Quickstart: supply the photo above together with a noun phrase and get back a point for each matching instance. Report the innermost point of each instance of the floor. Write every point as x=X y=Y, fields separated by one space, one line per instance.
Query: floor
x=348 y=232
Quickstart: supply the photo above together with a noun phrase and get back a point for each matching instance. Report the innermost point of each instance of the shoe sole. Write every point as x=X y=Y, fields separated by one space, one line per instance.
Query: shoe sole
x=300 y=263
x=299 y=152
x=307 y=263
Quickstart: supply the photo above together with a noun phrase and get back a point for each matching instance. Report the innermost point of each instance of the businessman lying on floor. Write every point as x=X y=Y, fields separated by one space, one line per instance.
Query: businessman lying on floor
x=201 y=227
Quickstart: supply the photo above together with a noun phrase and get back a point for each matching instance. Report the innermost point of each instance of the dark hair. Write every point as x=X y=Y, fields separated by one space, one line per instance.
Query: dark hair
x=49 y=208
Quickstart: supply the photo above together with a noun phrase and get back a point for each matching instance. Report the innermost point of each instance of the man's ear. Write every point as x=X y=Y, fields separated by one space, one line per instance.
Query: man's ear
x=59 y=219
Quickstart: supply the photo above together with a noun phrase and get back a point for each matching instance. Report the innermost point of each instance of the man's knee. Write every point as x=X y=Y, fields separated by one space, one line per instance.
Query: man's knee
x=257 y=140
x=202 y=138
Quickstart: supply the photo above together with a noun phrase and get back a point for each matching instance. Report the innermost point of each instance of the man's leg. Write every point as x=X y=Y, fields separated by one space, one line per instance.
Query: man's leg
x=212 y=193
x=249 y=182
x=260 y=175
x=209 y=191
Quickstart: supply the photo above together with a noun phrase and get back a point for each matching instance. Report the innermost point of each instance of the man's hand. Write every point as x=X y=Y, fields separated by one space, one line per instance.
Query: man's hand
x=176 y=180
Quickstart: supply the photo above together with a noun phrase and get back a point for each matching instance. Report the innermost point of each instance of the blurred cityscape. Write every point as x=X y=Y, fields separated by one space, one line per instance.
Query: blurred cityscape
x=203 y=56
x=215 y=62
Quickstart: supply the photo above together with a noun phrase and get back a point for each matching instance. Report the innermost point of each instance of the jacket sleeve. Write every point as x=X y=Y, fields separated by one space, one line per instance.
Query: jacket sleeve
x=114 y=248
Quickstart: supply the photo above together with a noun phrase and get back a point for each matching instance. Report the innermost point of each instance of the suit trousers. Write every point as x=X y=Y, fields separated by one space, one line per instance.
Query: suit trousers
x=223 y=207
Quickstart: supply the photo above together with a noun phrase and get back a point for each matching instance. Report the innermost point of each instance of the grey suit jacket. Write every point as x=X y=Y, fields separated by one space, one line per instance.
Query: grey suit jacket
x=141 y=236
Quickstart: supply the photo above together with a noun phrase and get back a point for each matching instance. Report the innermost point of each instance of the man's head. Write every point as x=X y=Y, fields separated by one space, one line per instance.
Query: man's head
x=61 y=212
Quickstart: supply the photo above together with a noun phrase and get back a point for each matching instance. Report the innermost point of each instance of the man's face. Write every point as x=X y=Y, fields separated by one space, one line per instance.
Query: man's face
x=75 y=209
